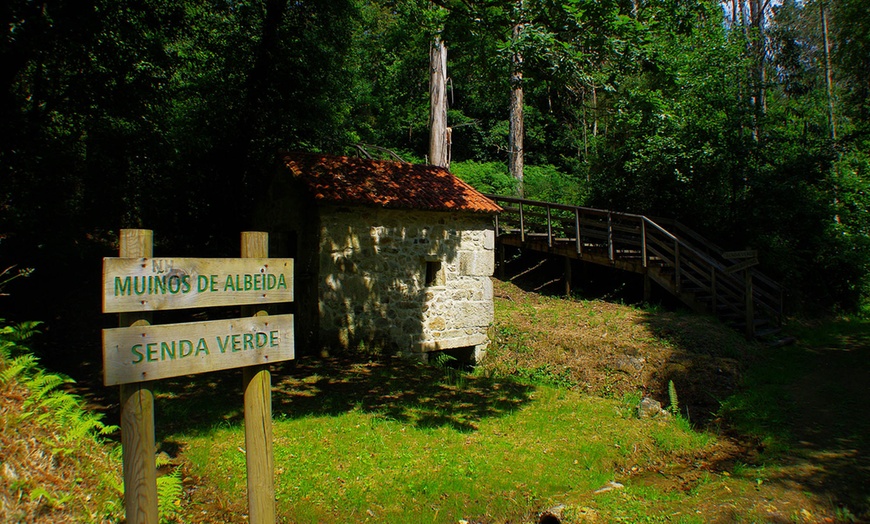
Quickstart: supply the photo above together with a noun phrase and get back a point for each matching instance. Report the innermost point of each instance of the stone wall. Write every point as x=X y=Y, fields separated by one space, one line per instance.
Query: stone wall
x=406 y=281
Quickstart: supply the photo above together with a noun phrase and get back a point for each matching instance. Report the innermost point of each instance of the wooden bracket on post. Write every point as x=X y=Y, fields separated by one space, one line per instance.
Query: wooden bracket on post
x=137 y=411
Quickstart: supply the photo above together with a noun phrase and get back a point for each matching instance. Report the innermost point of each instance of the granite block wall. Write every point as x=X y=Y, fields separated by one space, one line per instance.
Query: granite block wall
x=406 y=281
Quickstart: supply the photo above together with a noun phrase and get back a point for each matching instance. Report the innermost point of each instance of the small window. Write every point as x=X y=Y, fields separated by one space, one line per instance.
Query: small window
x=434 y=273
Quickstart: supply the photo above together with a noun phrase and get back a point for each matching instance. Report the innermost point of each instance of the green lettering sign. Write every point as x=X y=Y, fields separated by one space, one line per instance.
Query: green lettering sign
x=122 y=287
x=201 y=347
x=137 y=350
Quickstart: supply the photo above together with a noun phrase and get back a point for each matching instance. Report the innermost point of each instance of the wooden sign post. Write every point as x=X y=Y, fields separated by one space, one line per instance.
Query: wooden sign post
x=257 y=383
x=137 y=352
x=137 y=412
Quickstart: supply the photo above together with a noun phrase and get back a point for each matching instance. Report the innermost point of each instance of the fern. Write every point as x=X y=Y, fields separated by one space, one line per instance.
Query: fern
x=169 y=491
x=22 y=331
x=674 y=407
x=73 y=429
x=55 y=406
x=42 y=385
x=22 y=365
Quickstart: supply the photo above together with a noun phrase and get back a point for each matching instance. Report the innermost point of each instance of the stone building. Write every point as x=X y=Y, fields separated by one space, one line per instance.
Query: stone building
x=389 y=255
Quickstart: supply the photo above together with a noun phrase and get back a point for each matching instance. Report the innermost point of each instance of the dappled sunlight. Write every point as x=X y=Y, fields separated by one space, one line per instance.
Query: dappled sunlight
x=417 y=394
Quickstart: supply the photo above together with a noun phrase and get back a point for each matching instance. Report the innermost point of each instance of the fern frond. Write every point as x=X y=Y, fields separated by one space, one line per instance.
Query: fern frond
x=42 y=384
x=23 y=331
x=162 y=459
x=20 y=366
x=674 y=400
x=82 y=426
x=169 y=491
x=108 y=429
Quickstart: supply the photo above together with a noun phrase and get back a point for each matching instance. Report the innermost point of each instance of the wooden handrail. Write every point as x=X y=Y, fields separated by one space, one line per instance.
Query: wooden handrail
x=624 y=234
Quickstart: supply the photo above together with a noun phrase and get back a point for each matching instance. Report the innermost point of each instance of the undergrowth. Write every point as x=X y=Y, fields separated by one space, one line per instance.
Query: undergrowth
x=57 y=464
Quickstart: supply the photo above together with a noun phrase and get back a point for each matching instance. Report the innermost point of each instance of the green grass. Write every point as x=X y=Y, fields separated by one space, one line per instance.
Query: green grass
x=393 y=441
x=557 y=446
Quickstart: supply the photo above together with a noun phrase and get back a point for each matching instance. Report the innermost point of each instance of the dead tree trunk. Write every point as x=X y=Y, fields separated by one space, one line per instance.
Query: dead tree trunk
x=439 y=144
x=515 y=138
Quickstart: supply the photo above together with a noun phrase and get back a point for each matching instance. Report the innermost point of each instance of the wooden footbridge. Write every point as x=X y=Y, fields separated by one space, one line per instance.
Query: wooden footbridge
x=696 y=271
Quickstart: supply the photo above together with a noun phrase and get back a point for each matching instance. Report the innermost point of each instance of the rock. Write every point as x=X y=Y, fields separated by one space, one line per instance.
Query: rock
x=552 y=515
x=608 y=487
x=649 y=408
x=629 y=364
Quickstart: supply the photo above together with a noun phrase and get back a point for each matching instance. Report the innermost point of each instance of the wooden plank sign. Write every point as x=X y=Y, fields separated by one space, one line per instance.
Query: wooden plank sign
x=140 y=353
x=152 y=284
x=749 y=253
x=746 y=264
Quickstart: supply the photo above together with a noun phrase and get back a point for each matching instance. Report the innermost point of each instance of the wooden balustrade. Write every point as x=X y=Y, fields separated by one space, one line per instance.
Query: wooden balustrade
x=680 y=259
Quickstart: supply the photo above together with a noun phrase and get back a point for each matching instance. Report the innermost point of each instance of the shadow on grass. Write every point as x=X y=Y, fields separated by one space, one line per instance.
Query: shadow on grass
x=423 y=396
x=706 y=362
x=806 y=406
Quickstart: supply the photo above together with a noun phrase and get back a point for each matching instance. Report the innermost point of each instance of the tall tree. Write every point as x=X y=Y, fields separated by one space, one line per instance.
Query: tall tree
x=829 y=84
x=517 y=131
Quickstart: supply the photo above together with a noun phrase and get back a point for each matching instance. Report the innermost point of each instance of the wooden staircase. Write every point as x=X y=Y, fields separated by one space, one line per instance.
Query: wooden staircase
x=699 y=273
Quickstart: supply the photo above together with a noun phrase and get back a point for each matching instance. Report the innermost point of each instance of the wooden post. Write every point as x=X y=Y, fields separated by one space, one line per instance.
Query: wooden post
x=137 y=411
x=257 y=383
x=610 y=253
x=643 y=253
x=677 y=275
x=522 y=224
x=549 y=228
x=577 y=229
x=567 y=277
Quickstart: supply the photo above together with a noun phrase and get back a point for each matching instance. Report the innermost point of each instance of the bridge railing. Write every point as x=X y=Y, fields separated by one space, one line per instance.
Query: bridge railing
x=697 y=265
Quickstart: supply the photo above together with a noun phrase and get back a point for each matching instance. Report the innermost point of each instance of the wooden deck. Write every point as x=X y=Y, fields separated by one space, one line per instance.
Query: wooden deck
x=699 y=273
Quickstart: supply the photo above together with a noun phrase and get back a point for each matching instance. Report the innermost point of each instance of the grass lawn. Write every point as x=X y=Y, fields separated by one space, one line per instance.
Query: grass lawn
x=356 y=445
x=546 y=423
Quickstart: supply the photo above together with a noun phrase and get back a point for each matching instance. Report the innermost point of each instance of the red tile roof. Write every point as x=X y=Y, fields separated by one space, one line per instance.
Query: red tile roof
x=361 y=181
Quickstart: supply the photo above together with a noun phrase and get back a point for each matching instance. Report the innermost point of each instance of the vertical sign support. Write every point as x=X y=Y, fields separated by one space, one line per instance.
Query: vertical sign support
x=257 y=383
x=137 y=411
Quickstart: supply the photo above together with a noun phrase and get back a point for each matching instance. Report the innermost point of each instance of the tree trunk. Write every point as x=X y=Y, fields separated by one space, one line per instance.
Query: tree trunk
x=515 y=138
x=832 y=122
x=756 y=18
x=439 y=144
x=594 y=112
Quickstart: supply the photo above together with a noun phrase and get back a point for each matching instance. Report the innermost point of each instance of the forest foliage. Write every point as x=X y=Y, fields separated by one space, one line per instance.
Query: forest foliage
x=747 y=119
